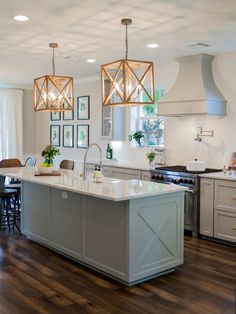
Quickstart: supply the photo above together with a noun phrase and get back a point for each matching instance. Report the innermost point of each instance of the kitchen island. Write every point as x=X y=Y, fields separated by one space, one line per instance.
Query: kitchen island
x=130 y=230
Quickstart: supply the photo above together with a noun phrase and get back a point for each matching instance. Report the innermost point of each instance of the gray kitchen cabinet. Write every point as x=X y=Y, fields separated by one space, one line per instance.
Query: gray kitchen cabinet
x=66 y=219
x=146 y=176
x=207 y=207
x=125 y=174
x=121 y=173
x=218 y=209
x=36 y=209
x=225 y=195
x=225 y=225
x=113 y=123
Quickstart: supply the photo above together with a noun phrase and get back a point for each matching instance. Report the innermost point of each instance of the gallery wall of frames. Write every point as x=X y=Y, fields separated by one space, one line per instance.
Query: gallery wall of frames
x=71 y=128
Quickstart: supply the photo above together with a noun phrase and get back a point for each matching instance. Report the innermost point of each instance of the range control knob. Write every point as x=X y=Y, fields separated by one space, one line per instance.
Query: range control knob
x=190 y=181
x=181 y=180
x=174 y=181
x=153 y=177
x=162 y=178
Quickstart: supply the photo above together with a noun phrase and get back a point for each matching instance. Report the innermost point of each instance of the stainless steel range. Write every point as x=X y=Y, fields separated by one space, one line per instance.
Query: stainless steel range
x=179 y=175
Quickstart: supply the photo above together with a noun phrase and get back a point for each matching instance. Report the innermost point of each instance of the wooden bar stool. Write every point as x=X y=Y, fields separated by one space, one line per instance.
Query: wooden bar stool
x=8 y=213
x=67 y=164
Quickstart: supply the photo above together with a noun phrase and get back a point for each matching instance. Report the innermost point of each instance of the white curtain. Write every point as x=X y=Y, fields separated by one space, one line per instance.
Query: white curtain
x=11 y=142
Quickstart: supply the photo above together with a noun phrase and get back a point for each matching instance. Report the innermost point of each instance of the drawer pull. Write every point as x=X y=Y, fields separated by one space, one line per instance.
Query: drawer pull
x=234 y=198
x=234 y=228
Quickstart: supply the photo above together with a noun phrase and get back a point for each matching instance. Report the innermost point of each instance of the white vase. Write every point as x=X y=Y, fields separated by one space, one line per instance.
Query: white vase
x=45 y=170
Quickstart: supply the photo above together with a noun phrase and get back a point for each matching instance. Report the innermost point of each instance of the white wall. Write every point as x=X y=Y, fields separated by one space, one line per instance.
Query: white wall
x=179 y=132
x=29 y=123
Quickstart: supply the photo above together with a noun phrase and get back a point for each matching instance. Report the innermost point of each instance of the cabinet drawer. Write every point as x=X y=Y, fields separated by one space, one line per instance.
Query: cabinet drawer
x=225 y=225
x=125 y=174
x=225 y=195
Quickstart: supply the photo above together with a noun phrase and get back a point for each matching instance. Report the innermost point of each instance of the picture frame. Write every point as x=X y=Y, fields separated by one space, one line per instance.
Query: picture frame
x=55 y=135
x=68 y=115
x=55 y=116
x=68 y=135
x=83 y=108
x=82 y=135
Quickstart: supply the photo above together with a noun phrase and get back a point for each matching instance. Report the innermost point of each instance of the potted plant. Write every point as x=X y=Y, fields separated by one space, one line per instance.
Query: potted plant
x=137 y=136
x=150 y=156
x=49 y=154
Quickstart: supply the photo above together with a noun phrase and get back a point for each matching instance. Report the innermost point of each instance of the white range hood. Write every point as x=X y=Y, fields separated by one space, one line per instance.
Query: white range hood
x=194 y=92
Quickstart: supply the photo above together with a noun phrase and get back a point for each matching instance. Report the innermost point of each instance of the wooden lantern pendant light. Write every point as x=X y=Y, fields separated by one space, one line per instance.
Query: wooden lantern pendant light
x=127 y=82
x=53 y=93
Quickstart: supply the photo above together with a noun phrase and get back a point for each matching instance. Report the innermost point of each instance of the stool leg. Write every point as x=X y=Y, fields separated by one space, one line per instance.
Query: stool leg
x=1 y=213
x=14 y=216
x=8 y=206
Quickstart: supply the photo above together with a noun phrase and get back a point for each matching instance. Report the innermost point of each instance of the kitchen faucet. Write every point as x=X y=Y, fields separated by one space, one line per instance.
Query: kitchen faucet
x=85 y=158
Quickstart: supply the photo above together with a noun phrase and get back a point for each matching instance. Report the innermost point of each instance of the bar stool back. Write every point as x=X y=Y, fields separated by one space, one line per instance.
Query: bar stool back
x=67 y=164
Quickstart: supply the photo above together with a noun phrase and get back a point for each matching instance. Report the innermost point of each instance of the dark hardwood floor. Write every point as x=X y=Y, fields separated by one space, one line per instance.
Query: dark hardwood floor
x=34 y=279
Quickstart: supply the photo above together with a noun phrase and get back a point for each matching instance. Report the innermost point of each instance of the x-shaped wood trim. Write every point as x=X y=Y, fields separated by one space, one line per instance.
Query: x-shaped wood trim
x=40 y=93
x=113 y=87
x=60 y=92
x=139 y=81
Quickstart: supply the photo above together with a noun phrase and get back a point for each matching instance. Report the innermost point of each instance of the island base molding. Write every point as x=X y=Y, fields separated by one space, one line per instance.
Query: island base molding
x=130 y=241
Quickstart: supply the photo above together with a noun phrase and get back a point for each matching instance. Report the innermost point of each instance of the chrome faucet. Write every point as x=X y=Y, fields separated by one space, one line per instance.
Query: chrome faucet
x=85 y=158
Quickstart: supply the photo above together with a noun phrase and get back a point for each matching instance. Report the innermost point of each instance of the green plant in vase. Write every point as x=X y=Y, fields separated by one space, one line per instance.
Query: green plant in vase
x=137 y=136
x=150 y=156
x=49 y=154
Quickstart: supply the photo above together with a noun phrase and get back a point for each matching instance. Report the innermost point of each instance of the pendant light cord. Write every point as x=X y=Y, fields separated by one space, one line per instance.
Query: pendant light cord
x=126 y=41
x=53 y=61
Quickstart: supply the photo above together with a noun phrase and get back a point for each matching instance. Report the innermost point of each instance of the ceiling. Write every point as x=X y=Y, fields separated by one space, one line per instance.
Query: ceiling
x=91 y=29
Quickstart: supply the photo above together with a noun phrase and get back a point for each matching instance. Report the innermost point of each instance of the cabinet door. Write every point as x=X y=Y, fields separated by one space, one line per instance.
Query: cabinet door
x=35 y=210
x=66 y=222
x=146 y=176
x=225 y=225
x=206 y=207
x=225 y=195
x=113 y=123
x=125 y=174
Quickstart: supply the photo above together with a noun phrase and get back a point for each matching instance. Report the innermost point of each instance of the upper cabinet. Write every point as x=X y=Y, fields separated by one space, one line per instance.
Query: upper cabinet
x=113 y=123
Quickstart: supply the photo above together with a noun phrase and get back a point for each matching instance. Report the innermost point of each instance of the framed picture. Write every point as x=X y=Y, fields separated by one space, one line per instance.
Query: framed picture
x=68 y=136
x=55 y=116
x=55 y=135
x=68 y=115
x=83 y=108
x=82 y=135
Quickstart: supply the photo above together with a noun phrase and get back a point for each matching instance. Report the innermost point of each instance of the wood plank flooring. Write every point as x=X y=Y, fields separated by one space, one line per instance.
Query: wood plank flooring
x=34 y=279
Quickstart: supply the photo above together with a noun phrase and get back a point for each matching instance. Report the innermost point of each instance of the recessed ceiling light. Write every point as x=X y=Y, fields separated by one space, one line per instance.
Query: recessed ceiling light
x=21 y=18
x=152 y=45
x=90 y=60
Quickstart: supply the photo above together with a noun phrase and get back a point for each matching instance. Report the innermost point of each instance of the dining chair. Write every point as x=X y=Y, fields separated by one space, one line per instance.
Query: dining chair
x=11 y=162
x=67 y=164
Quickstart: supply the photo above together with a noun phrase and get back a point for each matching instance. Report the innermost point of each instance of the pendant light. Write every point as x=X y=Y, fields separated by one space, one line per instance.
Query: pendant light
x=53 y=93
x=127 y=82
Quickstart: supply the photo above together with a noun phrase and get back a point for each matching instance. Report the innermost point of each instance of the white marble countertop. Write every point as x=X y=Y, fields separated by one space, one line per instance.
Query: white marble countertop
x=220 y=175
x=110 y=189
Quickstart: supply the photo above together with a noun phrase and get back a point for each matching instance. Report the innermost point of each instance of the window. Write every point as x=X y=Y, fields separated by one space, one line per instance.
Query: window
x=144 y=119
